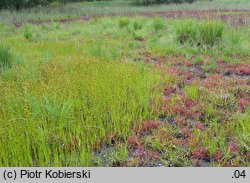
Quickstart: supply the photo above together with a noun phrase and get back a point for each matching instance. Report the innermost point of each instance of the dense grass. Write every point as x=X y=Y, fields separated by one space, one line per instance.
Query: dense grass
x=60 y=121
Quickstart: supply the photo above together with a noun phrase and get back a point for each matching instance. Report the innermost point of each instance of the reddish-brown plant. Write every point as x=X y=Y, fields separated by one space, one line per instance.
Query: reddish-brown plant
x=200 y=126
x=133 y=142
x=201 y=153
x=233 y=147
x=148 y=126
x=218 y=155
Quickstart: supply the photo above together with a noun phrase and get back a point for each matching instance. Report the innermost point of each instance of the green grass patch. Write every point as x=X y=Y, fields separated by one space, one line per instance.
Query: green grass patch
x=58 y=119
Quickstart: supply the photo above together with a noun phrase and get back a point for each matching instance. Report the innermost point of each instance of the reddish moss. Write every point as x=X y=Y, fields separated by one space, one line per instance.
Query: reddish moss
x=186 y=63
x=213 y=81
x=240 y=69
x=169 y=91
x=155 y=155
x=218 y=155
x=172 y=71
x=189 y=102
x=188 y=112
x=148 y=126
x=243 y=69
x=200 y=126
x=243 y=104
x=198 y=116
x=201 y=153
x=133 y=142
x=233 y=147
x=187 y=132
x=186 y=75
x=176 y=109
x=181 y=122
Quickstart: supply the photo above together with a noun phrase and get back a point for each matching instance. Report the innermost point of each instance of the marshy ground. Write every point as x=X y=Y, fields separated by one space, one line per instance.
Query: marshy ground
x=150 y=87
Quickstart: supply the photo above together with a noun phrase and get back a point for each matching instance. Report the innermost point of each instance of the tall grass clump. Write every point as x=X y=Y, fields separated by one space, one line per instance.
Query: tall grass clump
x=158 y=23
x=186 y=31
x=124 y=22
x=202 y=34
x=28 y=33
x=138 y=24
x=5 y=57
x=211 y=32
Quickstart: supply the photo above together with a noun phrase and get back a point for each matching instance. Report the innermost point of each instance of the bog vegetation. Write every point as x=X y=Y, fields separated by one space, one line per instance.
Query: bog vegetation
x=125 y=91
x=18 y=4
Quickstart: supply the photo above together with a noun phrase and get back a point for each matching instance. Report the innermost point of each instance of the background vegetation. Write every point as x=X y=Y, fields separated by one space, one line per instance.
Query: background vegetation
x=147 y=2
x=18 y=4
x=102 y=8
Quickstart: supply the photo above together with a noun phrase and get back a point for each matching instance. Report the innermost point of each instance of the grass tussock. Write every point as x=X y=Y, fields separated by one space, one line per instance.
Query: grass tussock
x=124 y=22
x=205 y=33
x=5 y=57
x=159 y=23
